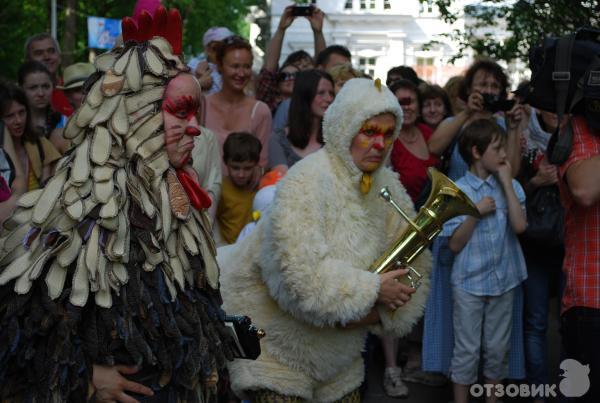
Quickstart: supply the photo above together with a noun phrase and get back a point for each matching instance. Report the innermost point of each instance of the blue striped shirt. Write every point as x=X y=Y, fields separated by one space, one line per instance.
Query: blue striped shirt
x=492 y=262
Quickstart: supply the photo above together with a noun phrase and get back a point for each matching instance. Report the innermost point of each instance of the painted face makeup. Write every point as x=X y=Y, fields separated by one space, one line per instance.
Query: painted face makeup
x=376 y=134
x=183 y=107
x=373 y=141
x=180 y=104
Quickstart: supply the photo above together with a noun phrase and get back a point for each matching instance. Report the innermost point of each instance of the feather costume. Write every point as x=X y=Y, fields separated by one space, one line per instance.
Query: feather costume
x=109 y=263
x=302 y=272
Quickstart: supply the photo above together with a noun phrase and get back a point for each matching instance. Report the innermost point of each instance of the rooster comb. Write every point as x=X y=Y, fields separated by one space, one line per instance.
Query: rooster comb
x=166 y=24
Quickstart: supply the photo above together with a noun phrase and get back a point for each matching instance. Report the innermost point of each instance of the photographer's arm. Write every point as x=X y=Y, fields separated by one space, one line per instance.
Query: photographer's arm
x=274 y=49
x=316 y=24
x=583 y=180
x=515 y=124
x=446 y=131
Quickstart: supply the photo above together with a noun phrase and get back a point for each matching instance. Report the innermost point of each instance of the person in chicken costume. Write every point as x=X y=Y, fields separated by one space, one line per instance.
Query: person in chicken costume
x=302 y=274
x=108 y=274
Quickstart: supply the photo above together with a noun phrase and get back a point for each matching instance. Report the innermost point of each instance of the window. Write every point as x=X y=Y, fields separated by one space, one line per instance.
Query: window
x=348 y=5
x=367 y=65
x=372 y=4
x=386 y=5
x=424 y=61
x=426 y=69
x=426 y=9
x=363 y=4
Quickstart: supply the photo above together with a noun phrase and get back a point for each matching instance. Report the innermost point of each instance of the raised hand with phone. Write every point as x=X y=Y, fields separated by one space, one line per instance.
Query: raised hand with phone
x=268 y=80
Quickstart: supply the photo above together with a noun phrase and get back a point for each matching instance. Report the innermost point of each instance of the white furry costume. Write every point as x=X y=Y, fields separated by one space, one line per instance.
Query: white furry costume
x=302 y=273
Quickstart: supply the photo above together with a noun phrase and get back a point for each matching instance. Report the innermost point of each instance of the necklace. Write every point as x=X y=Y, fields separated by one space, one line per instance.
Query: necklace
x=411 y=136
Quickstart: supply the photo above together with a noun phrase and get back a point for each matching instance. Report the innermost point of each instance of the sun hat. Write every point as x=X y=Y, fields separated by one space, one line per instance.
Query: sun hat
x=75 y=75
x=216 y=34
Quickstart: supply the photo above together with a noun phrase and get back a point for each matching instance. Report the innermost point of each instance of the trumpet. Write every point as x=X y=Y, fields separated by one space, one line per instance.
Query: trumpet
x=445 y=201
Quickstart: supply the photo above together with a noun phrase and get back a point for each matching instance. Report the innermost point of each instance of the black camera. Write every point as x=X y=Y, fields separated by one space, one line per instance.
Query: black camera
x=494 y=103
x=303 y=10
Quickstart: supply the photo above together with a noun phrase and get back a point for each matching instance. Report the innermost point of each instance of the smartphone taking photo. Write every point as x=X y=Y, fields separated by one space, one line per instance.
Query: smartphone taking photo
x=303 y=10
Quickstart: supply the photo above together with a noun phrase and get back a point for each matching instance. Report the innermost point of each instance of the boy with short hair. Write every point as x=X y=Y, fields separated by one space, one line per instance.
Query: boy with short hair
x=241 y=154
x=489 y=263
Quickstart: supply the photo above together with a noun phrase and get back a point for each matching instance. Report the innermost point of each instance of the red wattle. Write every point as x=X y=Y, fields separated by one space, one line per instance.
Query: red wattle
x=198 y=196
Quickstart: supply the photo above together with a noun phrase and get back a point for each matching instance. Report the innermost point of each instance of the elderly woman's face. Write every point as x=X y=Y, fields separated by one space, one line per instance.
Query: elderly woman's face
x=180 y=105
x=374 y=139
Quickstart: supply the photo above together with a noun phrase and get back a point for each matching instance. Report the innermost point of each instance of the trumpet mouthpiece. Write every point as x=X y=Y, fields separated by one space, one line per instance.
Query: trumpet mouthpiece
x=385 y=194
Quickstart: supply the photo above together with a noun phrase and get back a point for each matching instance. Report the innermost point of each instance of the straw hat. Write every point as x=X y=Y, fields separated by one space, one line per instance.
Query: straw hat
x=75 y=75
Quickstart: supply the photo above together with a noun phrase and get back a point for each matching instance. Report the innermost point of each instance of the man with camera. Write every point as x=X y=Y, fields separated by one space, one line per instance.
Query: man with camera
x=580 y=194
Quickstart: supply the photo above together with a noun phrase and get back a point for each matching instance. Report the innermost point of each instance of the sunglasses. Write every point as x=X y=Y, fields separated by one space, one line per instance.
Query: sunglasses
x=286 y=76
x=234 y=39
x=406 y=101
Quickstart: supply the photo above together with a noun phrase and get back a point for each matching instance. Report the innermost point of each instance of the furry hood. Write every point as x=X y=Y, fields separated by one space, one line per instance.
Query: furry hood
x=359 y=100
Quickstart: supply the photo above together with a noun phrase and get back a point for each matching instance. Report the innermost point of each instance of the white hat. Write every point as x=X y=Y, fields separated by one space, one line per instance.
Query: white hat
x=216 y=34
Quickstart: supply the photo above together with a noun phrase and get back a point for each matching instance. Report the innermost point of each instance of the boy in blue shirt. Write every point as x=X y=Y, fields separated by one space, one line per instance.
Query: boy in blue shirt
x=489 y=263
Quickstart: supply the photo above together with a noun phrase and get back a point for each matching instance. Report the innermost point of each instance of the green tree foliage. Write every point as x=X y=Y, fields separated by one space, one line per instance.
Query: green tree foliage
x=199 y=15
x=20 y=19
x=527 y=22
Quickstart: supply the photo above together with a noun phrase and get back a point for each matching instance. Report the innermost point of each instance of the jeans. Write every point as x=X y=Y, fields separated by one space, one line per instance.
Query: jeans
x=543 y=270
x=580 y=335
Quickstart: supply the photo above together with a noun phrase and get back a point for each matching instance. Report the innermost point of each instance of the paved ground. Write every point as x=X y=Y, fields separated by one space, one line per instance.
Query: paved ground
x=426 y=394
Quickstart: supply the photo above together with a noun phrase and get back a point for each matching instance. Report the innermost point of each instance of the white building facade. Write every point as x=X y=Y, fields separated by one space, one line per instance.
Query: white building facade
x=380 y=34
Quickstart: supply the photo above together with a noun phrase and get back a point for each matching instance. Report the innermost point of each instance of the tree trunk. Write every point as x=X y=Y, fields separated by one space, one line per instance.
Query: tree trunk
x=70 y=33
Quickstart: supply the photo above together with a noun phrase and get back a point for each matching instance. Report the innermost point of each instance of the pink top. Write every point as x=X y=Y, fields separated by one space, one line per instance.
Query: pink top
x=258 y=123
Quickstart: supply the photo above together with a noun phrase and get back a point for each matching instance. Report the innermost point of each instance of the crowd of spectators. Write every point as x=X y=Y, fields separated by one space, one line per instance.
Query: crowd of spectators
x=484 y=276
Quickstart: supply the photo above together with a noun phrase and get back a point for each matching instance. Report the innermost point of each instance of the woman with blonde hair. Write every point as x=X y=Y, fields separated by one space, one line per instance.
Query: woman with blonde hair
x=231 y=110
x=342 y=73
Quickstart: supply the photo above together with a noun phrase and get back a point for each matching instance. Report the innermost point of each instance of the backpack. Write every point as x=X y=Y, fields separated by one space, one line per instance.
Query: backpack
x=565 y=79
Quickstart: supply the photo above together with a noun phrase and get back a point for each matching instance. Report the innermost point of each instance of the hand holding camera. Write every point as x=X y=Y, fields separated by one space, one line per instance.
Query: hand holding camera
x=493 y=103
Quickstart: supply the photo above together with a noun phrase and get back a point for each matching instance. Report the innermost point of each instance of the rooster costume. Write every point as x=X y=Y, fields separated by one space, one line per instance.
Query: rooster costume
x=112 y=263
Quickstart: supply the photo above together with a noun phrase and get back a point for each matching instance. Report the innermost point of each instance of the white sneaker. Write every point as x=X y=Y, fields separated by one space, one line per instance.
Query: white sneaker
x=392 y=383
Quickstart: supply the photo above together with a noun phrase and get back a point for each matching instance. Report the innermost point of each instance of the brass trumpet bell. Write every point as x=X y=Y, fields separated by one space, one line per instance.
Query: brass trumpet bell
x=445 y=201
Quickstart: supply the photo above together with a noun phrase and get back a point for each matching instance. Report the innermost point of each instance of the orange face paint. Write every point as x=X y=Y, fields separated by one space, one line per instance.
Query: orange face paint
x=380 y=137
x=374 y=138
x=363 y=142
